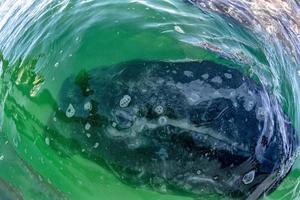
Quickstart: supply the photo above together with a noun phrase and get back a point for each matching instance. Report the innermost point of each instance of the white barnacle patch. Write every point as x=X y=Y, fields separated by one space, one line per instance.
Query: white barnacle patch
x=139 y=125
x=188 y=74
x=217 y=79
x=205 y=76
x=232 y=94
x=70 y=112
x=193 y=98
x=249 y=177
x=163 y=153
x=114 y=124
x=249 y=105
x=227 y=75
x=125 y=101
x=199 y=172
x=216 y=94
x=260 y=113
x=87 y=126
x=88 y=135
x=134 y=144
x=162 y=120
x=96 y=145
x=87 y=106
x=159 y=110
x=47 y=141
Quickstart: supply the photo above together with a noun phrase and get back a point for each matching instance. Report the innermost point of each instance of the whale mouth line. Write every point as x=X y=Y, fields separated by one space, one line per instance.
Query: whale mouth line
x=208 y=133
x=205 y=135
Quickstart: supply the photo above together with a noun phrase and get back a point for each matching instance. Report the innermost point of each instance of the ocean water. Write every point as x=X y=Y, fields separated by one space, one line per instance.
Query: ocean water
x=44 y=42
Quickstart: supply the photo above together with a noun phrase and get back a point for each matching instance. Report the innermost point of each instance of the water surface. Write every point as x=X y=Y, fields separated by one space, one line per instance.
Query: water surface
x=44 y=42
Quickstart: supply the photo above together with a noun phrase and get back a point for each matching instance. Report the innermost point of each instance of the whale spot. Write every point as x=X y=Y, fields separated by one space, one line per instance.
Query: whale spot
x=87 y=106
x=249 y=177
x=227 y=75
x=70 y=112
x=205 y=76
x=217 y=79
x=162 y=120
x=125 y=101
x=159 y=110
x=188 y=74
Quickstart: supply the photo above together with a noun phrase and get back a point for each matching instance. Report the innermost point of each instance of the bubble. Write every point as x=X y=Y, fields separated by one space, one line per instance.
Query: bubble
x=87 y=106
x=159 y=110
x=1 y=157
x=125 y=101
x=70 y=112
x=56 y=64
x=249 y=177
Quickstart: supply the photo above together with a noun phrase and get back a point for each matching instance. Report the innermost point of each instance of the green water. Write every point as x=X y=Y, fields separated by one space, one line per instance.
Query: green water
x=44 y=42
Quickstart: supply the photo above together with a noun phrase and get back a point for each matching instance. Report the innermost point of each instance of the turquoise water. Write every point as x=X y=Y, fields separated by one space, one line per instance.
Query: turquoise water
x=44 y=42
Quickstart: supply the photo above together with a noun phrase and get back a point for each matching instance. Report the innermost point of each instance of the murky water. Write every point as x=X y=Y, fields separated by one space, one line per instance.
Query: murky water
x=42 y=43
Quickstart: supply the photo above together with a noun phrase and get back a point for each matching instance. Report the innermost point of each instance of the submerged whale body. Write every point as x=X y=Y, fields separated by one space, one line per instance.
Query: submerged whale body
x=180 y=126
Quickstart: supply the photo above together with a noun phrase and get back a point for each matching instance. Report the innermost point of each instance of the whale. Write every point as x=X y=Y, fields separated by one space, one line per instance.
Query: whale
x=191 y=126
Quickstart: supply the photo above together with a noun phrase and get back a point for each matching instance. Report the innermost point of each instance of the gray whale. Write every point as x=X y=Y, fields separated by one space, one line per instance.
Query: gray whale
x=189 y=126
